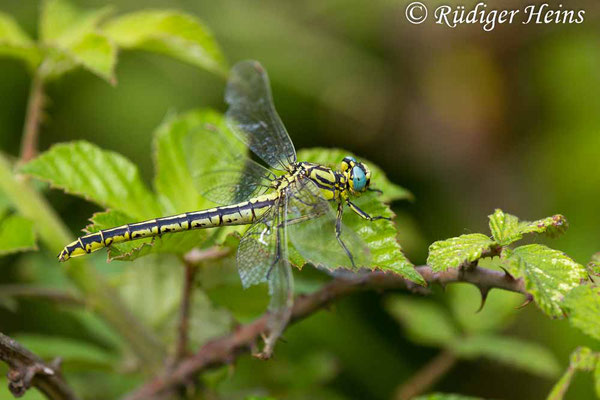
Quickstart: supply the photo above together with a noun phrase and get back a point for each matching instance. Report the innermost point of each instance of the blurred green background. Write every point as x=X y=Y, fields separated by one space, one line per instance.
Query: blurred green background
x=467 y=120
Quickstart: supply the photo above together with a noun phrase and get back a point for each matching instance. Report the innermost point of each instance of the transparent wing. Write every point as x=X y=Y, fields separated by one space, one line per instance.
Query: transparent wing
x=262 y=256
x=224 y=174
x=252 y=116
x=312 y=225
x=257 y=251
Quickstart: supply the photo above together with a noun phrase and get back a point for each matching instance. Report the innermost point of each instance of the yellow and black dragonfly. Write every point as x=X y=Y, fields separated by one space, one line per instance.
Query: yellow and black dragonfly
x=291 y=202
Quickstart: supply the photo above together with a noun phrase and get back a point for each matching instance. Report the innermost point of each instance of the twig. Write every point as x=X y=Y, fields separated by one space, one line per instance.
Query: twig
x=426 y=376
x=34 y=292
x=225 y=349
x=191 y=260
x=27 y=370
x=33 y=119
x=184 y=314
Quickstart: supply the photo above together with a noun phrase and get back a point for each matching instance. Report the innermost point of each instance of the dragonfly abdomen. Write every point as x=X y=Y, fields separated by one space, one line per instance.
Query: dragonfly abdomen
x=237 y=214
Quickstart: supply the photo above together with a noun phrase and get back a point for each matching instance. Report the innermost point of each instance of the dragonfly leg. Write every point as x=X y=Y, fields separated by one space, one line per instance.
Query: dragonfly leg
x=363 y=214
x=338 y=232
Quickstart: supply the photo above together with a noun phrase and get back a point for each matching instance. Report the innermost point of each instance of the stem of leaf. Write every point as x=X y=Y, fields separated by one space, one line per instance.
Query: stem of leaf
x=426 y=376
x=98 y=294
x=33 y=118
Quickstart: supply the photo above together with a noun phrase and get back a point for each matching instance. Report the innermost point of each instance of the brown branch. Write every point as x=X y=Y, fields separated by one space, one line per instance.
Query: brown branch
x=184 y=313
x=426 y=376
x=27 y=370
x=191 y=260
x=225 y=349
x=33 y=119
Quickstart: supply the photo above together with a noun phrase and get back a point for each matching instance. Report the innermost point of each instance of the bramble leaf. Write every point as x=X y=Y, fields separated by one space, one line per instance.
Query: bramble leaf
x=457 y=251
x=101 y=176
x=594 y=265
x=16 y=234
x=504 y=227
x=184 y=148
x=425 y=322
x=507 y=228
x=552 y=226
x=527 y=356
x=14 y=42
x=97 y=54
x=582 y=359
x=152 y=289
x=583 y=307
x=548 y=274
x=173 y=33
x=380 y=236
x=71 y=37
x=62 y=23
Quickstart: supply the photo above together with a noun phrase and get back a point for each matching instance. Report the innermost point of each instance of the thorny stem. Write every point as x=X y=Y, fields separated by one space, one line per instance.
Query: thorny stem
x=226 y=349
x=427 y=376
x=27 y=369
x=33 y=119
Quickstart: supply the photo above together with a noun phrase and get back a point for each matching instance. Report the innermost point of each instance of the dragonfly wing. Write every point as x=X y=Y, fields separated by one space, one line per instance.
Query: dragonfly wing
x=228 y=176
x=252 y=116
x=263 y=256
x=312 y=230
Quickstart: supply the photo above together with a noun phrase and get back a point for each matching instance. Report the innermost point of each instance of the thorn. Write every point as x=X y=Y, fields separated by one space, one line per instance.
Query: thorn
x=508 y=274
x=484 y=294
x=528 y=300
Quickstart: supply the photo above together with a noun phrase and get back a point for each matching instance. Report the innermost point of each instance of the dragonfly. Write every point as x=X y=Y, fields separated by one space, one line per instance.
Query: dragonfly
x=285 y=201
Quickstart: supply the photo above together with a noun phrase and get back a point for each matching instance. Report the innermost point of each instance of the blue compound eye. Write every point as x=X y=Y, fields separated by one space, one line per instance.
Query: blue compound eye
x=359 y=179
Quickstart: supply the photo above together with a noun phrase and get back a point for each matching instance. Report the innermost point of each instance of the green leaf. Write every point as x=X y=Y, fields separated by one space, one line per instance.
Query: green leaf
x=446 y=396
x=97 y=54
x=593 y=266
x=173 y=33
x=152 y=289
x=183 y=149
x=527 y=356
x=101 y=176
x=380 y=236
x=454 y=252
x=425 y=321
x=583 y=307
x=332 y=157
x=71 y=37
x=14 y=42
x=62 y=23
x=582 y=359
x=92 y=51
x=73 y=353
x=504 y=227
x=16 y=234
x=507 y=228
x=548 y=274
x=552 y=226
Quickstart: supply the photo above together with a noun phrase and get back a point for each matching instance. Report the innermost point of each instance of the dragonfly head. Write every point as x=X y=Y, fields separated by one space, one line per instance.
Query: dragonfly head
x=357 y=175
